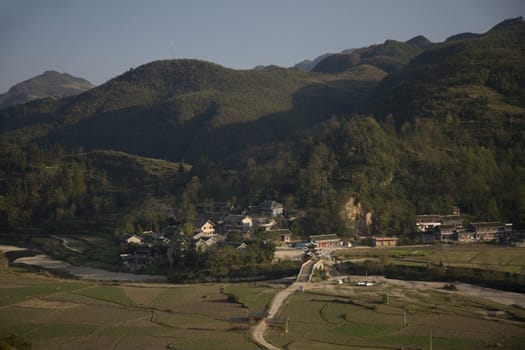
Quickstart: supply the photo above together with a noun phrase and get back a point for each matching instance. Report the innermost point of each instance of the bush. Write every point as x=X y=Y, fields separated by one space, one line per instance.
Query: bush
x=450 y=286
x=14 y=342
x=232 y=298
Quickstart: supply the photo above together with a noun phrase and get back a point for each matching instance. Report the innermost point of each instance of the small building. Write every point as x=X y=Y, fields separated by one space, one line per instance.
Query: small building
x=279 y=323
x=465 y=235
x=270 y=208
x=447 y=233
x=385 y=241
x=205 y=230
x=204 y=243
x=324 y=242
x=427 y=222
x=237 y=223
x=451 y=220
x=490 y=231
x=266 y=223
x=134 y=239
x=285 y=235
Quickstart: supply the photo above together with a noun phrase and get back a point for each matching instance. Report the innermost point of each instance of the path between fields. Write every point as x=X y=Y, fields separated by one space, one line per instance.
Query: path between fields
x=257 y=331
x=499 y=296
x=65 y=244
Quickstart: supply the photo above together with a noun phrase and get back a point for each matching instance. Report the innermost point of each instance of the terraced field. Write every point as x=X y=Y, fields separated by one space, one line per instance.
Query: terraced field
x=489 y=257
x=389 y=316
x=54 y=313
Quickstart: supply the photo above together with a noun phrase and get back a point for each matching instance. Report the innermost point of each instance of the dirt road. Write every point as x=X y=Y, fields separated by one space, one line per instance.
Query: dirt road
x=257 y=331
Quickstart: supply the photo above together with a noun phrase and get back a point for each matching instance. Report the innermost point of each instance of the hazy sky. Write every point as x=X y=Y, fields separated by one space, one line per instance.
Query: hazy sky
x=100 y=39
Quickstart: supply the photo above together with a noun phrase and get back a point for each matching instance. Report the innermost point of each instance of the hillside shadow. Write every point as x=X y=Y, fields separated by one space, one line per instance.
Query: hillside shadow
x=311 y=105
x=155 y=132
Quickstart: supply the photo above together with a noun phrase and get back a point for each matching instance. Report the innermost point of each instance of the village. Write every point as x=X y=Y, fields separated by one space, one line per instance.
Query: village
x=218 y=226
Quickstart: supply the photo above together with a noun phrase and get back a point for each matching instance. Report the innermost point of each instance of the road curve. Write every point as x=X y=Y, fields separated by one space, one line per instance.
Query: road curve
x=257 y=331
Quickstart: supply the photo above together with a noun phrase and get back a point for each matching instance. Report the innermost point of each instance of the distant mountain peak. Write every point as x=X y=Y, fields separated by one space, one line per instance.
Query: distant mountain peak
x=461 y=36
x=390 y=56
x=48 y=84
x=308 y=65
x=419 y=41
x=52 y=72
x=510 y=22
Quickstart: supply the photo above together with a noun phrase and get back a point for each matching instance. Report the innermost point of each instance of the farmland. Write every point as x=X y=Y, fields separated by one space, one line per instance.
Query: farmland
x=55 y=313
x=346 y=316
x=488 y=257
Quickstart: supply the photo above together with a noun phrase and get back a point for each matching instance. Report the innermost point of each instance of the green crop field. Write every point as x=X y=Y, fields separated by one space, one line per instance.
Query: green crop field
x=350 y=317
x=54 y=313
x=255 y=298
x=500 y=258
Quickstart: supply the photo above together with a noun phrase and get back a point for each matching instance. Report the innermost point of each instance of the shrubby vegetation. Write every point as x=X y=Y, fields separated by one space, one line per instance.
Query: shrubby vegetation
x=110 y=191
x=14 y=342
x=39 y=186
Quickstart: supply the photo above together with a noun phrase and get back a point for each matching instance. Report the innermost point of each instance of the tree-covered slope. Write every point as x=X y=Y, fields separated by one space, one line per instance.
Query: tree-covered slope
x=178 y=109
x=342 y=151
x=49 y=84
x=478 y=80
x=79 y=192
x=447 y=130
x=390 y=56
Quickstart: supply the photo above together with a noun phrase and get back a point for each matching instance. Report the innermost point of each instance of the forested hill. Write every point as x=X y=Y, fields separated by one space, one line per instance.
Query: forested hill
x=471 y=79
x=178 y=109
x=360 y=150
x=390 y=56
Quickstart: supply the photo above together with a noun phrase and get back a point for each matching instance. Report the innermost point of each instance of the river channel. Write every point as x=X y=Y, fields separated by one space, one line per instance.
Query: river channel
x=38 y=259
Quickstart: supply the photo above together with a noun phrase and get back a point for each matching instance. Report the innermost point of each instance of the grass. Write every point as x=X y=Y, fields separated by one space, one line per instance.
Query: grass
x=254 y=297
x=354 y=317
x=107 y=293
x=507 y=259
x=366 y=330
x=56 y=330
x=87 y=315
x=56 y=313
x=183 y=295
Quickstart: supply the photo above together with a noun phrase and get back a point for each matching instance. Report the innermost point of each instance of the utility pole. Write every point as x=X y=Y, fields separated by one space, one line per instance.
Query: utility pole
x=430 y=347
x=405 y=317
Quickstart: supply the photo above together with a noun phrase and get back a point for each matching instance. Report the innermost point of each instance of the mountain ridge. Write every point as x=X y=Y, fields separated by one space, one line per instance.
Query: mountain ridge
x=50 y=84
x=444 y=129
x=390 y=56
x=166 y=105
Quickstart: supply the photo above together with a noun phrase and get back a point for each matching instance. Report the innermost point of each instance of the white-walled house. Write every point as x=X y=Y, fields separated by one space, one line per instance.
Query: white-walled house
x=205 y=230
x=134 y=239
x=205 y=243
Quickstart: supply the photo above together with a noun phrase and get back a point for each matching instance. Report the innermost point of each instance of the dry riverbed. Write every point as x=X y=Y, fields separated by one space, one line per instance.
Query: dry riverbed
x=82 y=272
